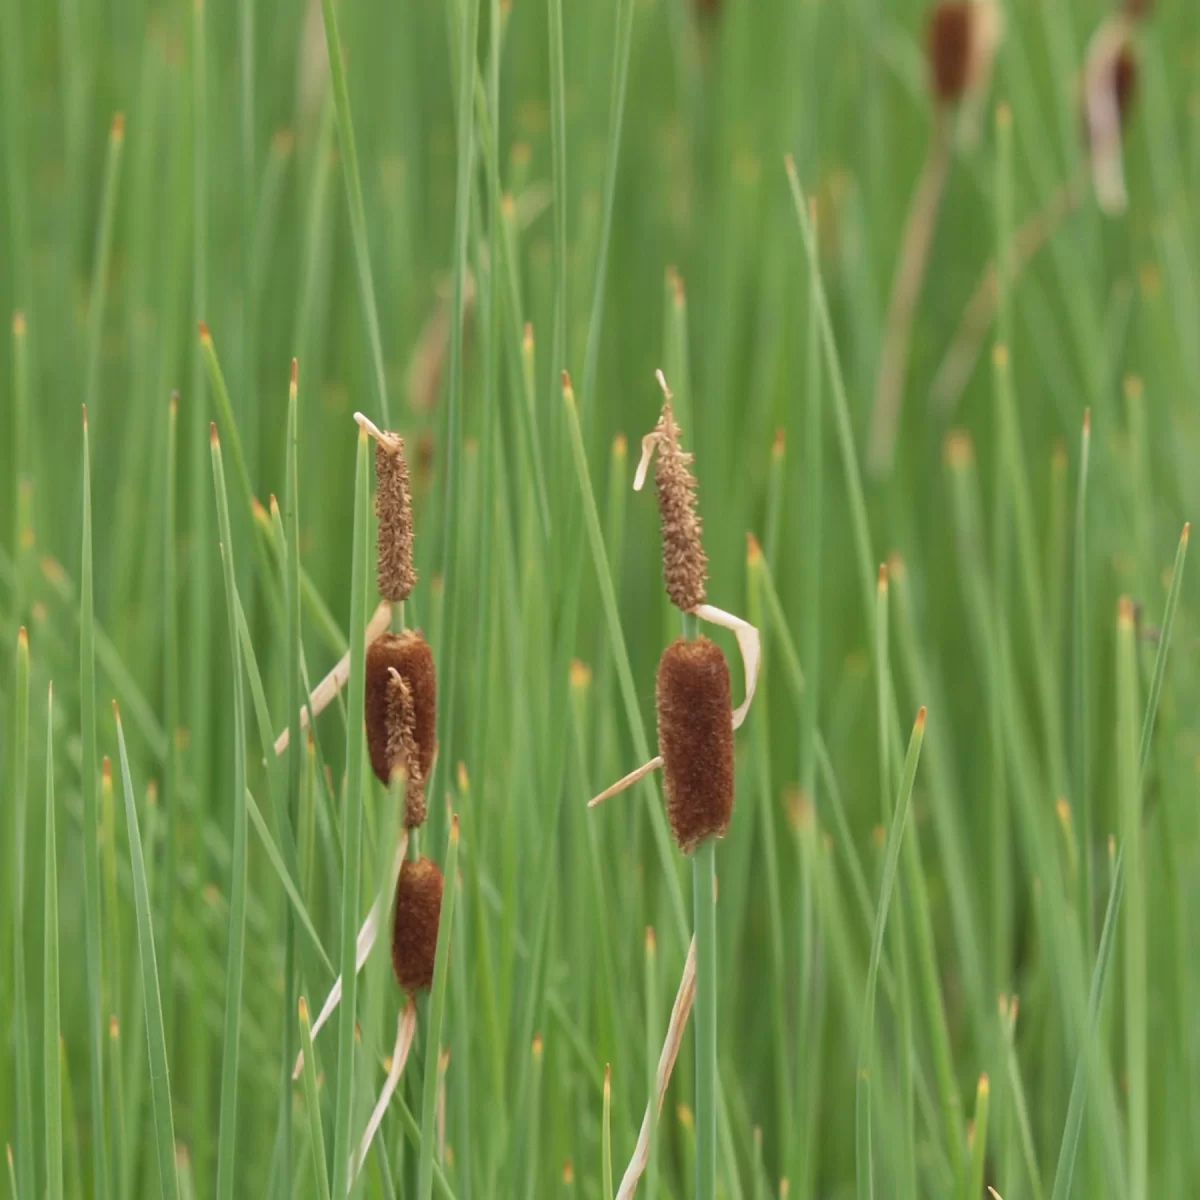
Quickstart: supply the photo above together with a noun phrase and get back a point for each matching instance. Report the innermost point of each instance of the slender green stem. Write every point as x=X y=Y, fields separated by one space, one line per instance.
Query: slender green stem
x=164 y=1124
x=866 y=1040
x=606 y=1165
x=352 y=865
x=704 y=903
x=51 y=1075
x=103 y=252
x=91 y=837
x=354 y=200
x=312 y=1102
x=979 y=1141
x=236 y=950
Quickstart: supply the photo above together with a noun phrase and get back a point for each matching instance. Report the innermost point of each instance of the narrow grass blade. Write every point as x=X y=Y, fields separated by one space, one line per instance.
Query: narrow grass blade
x=468 y=13
x=354 y=200
x=606 y=1170
x=236 y=950
x=164 y=1123
x=91 y=835
x=864 y=1172
x=978 y=1141
x=1088 y=1051
x=312 y=1101
x=1129 y=793
x=51 y=1075
x=841 y=406
x=653 y=1038
x=171 y=693
x=437 y=1004
x=103 y=252
x=351 y=867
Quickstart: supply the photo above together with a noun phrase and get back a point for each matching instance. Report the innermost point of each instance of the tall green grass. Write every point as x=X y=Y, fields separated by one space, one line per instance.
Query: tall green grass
x=438 y=210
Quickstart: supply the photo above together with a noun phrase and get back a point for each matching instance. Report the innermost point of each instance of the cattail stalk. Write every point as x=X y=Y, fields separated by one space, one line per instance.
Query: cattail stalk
x=680 y=1012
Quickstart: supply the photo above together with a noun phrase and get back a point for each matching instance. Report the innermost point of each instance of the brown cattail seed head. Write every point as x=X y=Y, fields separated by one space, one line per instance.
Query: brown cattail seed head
x=1124 y=81
x=393 y=503
x=685 y=565
x=408 y=656
x=950 y=48
x=695 y=738
x=402 y=750
x=961 y=40
x=415 y=923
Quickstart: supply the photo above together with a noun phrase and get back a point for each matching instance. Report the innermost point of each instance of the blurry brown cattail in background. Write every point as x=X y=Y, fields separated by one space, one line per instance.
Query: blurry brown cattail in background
x=393 y=503
x=685 y=565
x=961 y=40
x=1109 y=85
x=415 y=923
x=695 y=738
x=397 y=722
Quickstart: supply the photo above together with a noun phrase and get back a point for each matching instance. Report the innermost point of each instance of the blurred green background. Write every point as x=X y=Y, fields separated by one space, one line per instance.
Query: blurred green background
x=225 y=200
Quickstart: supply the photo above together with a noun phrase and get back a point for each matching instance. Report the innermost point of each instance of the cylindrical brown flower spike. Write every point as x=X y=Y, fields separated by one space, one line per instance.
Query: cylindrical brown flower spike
x=401 y=714
x=393 y=503
x=695 y=738
x=415 y=923
x=685 y=565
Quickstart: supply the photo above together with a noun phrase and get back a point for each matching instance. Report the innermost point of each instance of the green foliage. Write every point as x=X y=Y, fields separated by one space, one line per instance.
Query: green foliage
x=719 y=189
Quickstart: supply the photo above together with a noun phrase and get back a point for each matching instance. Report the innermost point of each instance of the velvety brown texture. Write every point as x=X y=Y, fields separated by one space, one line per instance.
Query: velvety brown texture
x=685 y=565
x=407 y=654
x=402 y=749
x=393 y=503
x=949 y=48
x=695 y=738
x=415 y=923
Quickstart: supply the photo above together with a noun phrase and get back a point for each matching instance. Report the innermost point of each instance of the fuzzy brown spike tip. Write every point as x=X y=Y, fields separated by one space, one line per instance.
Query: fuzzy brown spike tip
x=685 y=565
x=406 y=655
x=415 y=923
x=402 y=750
x=695 y=737
x=393 y=503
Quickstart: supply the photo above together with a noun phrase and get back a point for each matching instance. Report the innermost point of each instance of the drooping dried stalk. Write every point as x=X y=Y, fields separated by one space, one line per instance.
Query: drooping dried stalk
x=666 y=1064
x=406 y=1028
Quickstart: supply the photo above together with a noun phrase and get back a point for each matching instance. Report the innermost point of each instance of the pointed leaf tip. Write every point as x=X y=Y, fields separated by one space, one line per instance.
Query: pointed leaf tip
x=204 y=334
x=213 y=439
x=1087 y=422
x=920 y=721
x=23 y=638
x=118 y=126
x=293 y=372
x=883 y=577
x=1187 y=529
x=116 y=711
x=753 y=550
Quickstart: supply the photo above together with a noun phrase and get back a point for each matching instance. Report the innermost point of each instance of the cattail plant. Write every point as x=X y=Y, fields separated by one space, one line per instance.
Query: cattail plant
x=960 y=46
x=1108 y=92
x=696 y=722
x=400 y=690
x=415 y=918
